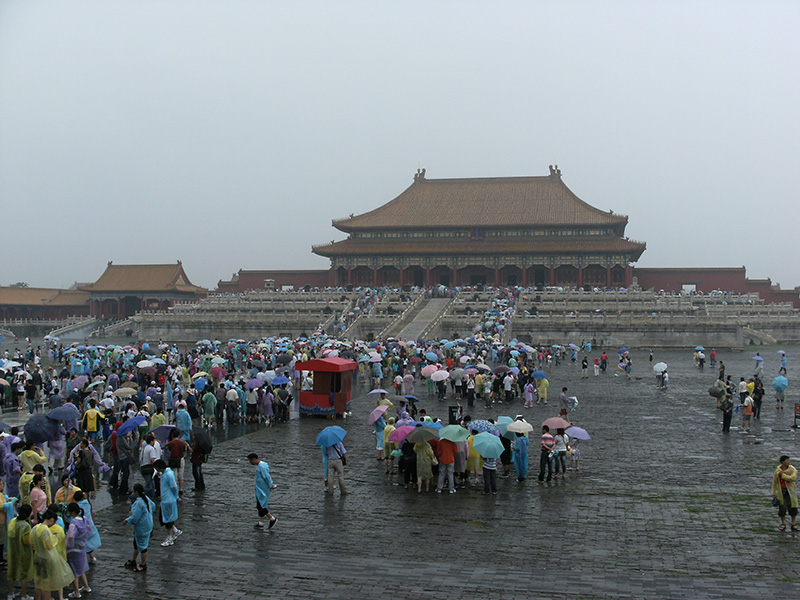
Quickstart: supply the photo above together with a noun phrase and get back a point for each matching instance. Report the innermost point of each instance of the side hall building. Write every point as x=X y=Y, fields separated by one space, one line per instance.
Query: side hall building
x=498 y=231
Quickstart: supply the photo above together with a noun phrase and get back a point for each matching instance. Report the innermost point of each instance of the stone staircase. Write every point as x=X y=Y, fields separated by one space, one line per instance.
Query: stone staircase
x=422 y=318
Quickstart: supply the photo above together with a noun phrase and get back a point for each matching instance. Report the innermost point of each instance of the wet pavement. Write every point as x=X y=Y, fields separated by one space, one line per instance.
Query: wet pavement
x=665 y=506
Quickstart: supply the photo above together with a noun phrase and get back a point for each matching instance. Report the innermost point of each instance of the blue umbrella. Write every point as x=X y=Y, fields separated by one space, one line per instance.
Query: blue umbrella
x=699 y=348
x=330 y=436
x=430 y=424
x=514 y=370
x=363 y=358
x=280 y=380
x=623 y=350
x=40 y=429
x=66 y=412
x=4 y=426
x=502 y=425
x=449 y=344
x=514 y=353
x=130 y=425
x=539 y=375
x=578 y=433
x=780 y=383
x=410 y=397
x=488 y=445
x=432 y=356
x=481 y=425
x=200 y=383
x=162 y=432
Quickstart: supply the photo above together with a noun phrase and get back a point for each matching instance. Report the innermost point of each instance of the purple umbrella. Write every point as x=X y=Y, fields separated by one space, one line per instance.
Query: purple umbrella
x=78 y=382
x=254 y=383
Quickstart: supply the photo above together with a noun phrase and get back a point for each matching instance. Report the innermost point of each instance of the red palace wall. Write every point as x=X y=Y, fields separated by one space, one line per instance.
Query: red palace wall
x=254 y=280
x=709 y=279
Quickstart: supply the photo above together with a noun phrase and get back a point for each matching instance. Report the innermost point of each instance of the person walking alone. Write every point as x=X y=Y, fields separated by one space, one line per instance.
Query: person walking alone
x=264 y=487
x=784 y=492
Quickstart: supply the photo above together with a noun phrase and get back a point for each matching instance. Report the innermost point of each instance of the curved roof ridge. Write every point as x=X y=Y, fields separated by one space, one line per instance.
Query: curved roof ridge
x=483 y=202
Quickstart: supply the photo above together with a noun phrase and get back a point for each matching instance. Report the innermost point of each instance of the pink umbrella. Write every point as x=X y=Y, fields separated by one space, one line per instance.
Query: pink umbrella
x=217 y=372
x=556 y=423
x=470 y=371
x=399 y=434
x=377 y=413
x=429 y=370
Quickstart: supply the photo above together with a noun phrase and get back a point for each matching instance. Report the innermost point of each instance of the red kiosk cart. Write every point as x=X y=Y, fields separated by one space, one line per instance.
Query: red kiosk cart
x=333 y=380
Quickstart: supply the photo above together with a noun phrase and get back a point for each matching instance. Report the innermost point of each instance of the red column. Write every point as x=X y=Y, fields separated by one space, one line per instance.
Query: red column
x=428 y=277
x=401 y=276
x=350 y=276
x=497 y=276
x=608 y=276
x=580 y=276
x=552 y=275
x=455 y=277
x=628 y=275
x=524 y=276
x=331 y=277
x=375 y=277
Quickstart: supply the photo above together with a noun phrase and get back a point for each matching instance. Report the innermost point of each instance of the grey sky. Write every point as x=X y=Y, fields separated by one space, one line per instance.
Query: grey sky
x=229 y=134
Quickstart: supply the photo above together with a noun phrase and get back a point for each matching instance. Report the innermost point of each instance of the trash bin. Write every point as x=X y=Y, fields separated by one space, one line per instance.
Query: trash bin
x=454 y=414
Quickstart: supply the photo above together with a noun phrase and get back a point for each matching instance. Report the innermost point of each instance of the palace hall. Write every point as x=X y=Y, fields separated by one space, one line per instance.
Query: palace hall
x=495 y=230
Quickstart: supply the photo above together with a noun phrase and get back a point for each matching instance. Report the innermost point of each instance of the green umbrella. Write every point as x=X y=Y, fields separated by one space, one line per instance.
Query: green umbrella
x=454 y=433
x=95 y=384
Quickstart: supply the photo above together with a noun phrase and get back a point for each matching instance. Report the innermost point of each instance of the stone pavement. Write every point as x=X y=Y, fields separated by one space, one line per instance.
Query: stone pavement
x=665 y=506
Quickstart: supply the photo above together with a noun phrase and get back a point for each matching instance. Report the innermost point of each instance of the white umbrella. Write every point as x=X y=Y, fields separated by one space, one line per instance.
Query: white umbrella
x=660 y=367
x=143 y=364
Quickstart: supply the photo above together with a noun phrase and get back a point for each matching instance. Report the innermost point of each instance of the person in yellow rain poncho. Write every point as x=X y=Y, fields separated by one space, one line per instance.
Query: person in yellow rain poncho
x=20 y=555
x=784 y=491
x=51 y=573
x=474 y=460
x=389 y=447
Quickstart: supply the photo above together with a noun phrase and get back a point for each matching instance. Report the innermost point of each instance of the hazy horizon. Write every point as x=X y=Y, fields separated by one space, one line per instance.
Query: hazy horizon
x=228 y=135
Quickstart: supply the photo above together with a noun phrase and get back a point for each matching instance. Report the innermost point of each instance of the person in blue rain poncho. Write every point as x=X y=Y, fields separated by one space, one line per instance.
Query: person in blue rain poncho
x=520 y=451
x=93 y=543
x=183 y=421
x=142 y=520
x=264 y=487
x=169 y=501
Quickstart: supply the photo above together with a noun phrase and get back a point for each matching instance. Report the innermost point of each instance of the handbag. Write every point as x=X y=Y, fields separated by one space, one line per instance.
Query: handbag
x=434 y=461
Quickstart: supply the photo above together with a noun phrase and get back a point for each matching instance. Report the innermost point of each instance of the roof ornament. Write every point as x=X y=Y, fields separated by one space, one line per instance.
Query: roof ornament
x=555 y=171
x=419 y=175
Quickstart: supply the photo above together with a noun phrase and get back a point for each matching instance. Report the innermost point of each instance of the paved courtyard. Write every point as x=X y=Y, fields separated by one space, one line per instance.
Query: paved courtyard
x=665 y=506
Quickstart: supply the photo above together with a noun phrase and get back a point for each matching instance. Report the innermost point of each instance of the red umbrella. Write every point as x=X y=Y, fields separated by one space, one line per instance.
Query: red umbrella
x=556 y=423
x=217 y=372
x=399 y=434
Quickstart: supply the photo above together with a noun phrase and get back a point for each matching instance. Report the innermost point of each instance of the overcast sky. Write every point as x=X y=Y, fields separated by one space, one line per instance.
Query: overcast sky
x=228 y=134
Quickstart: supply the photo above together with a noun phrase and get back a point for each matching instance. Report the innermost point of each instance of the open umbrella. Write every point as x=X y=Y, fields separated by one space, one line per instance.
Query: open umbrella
x=400 y=433
x=781 y=352
x=254 y=383
x=143 y=364
x=130 y=425
x=539 y=375
x=130 y=384
x=280 y=380
x=503 y=423
x=454 y=433
x=3 y=382
x=283 y=359
x=67 y=412
x=125 y=392
x=199 y=374
x=4 y=425
x=159 y=361
x=331 y=435
x=430 y=424
x=217 y=372
x=94 y=385
x=200 y=383
x=377 y=391
x=699 y=348
x=556 y=423
x=429 y=370
x=440 y=375
x=203 y=440
x=501 y=369
x=78 y=382
x=660 y=367
x=482 y=425
x=780 y=383
x=377 y=413
x=162 y=432
x=577 y=433
x=488 y=445
x=519 y=427
x=432 y=356
x=421 y=434
x=40 y=429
